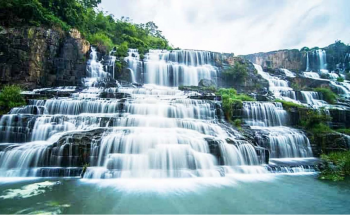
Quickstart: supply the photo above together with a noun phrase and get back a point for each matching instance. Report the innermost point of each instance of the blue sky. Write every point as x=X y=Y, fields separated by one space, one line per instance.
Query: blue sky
x=241 y=26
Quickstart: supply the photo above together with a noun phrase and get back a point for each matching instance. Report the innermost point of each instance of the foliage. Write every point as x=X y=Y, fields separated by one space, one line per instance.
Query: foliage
x=210 y=89
x=11 y=97
x=229 y=98
x=315 y=121
x=336 y=166
x=100 y=39
x=289 y=105
x=340 y=79
x=237 y=72
x=328 y=95
x=344 y=131
x=305 y=49
x=99 y=28
x=237 y=123
x=296 y=86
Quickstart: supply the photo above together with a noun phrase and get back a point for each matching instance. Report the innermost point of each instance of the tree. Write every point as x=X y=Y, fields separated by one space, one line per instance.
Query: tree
x=11 y=97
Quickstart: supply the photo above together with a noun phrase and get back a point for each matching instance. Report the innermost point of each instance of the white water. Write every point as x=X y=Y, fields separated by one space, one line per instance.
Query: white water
x=278 y=87
x=288 y=73
x=172 y=68
x=95 y=71
x=270 y=118
x=156 y=132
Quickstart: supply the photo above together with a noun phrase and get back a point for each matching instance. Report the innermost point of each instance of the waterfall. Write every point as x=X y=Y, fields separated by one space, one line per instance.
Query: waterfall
x=278 y=87
x=134 y=63
x=154 y=131
x=307 y=62
x=264 y=114
x=270 y=119
x=94 y=70
x=313 y=75
x=312 y=98
x=178 y=67
x=285 y=142
x=322 y=60
x=288 y=73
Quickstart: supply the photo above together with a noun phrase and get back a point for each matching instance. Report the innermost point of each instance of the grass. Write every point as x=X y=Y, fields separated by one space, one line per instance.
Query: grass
x=344 y=131
x=289 y=105
x=10 y=97
x=336 y=166
x=229 y=98
x=328 y=95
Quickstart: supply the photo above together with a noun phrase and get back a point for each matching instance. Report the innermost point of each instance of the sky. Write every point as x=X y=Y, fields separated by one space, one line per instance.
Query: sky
x=241 y=26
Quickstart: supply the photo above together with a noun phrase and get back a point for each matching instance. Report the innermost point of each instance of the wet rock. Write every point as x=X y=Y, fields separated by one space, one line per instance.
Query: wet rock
x=207 y=83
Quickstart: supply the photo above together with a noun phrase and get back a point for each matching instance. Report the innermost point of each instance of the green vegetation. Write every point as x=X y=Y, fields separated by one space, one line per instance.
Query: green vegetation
x=210 y=89
x=237 y=123
x=102 y=30
x=336 y=166
x=289 y=105
x=296 y=86
x=344 y=131
x=229 y=98
x=340 y=79
x=315 y=121
x=328 y=95
x=305 y=49
x=10 y=97
x=237 y=72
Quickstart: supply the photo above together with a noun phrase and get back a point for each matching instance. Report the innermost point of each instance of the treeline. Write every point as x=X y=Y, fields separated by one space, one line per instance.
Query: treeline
x=100 y=29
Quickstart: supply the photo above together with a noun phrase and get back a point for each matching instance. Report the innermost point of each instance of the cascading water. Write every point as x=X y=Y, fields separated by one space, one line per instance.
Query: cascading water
x=151 y=132
x=288 y=73
x=270 y=119
x=134 y=64
x=172 y=68
x=307 y=62
x=278 y=87
x=95 y=71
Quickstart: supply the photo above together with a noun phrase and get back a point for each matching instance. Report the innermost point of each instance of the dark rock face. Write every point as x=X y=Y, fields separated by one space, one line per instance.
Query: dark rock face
x=38 y=57
x=328 y=142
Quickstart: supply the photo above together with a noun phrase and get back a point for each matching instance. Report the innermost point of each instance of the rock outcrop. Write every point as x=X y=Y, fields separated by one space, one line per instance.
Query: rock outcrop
x=293 y=60
x=40 y=57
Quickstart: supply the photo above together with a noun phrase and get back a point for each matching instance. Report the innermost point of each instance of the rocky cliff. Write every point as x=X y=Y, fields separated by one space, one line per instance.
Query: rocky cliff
x=40 y=57
x=293 y=60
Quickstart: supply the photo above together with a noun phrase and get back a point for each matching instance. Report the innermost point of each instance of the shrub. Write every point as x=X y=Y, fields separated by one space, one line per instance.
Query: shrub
x=344 y=131
x=237 y=72
x=328 y=95
x=336 y=166
x=315 y=121
x=237 y=123
x=11 y=97
x=229 y=98
x=340 y=79
x=100 y=39
x=289 y=105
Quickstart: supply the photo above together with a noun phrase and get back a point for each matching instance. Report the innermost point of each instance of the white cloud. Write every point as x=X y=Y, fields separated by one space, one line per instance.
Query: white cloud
x=241 y=26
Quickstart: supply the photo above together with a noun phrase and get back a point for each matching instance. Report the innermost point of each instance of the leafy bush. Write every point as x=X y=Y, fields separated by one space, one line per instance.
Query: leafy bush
x=237 y=123
x=344 y=131
x=336 y=166
x=237 y=72
x=315 y=121
x=229 y=98
x=289 y=105
x=328 y=95
x=340 y=79
x=11 y=97
x=100 y=39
